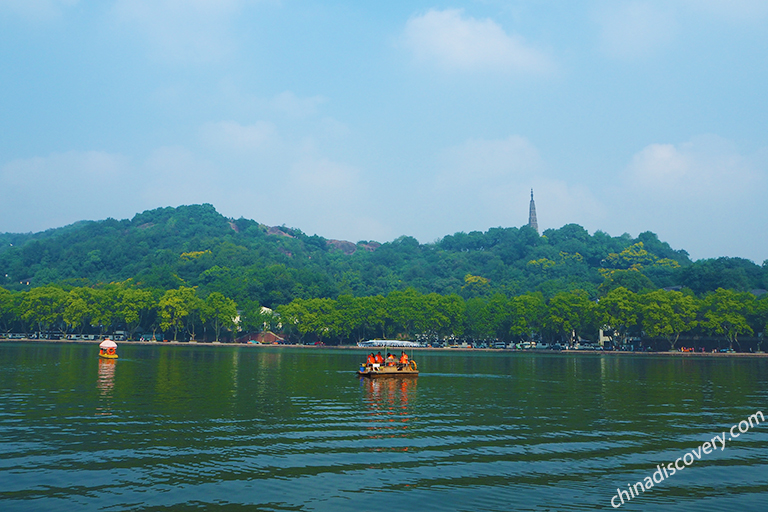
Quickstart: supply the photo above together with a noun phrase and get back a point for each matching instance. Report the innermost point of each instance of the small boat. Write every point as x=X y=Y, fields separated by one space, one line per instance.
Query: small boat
x=107 y=349
x=381 y=370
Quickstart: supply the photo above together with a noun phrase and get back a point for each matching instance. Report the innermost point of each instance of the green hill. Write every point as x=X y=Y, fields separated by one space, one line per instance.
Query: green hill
x=196 y=246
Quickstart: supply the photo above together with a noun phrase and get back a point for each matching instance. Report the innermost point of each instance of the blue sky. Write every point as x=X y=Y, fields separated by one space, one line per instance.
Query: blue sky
x=371 y=120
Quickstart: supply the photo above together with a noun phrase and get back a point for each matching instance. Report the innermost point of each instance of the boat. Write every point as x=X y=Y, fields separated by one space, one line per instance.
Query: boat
x=389 y=343
x=381 y=370
x=392 y=368
x=108 y=349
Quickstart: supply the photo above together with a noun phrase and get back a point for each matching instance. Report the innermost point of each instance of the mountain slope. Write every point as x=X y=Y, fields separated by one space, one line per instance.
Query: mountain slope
x=196 y=246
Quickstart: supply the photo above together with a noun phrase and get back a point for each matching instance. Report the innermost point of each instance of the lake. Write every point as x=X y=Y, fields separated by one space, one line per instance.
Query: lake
x=287 y=429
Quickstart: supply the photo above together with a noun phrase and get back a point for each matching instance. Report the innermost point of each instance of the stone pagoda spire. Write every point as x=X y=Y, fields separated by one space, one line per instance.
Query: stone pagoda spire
x=532 y=215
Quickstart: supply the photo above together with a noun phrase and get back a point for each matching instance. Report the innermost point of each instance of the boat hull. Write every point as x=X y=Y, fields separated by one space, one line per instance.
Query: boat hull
x=387 y=371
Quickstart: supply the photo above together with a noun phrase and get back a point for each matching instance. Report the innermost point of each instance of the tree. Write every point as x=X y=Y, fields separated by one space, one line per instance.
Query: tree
x=498 y=316
x=476 y=323
x=7 y=309
x=80 y=306
x=759 y=318
x=618 y=310
x=725 y=312
x=668 y=314
x=134 y=305
x=176 y=308
x=309 y=316
x=527 y=314
x=222 y=311
x=406 y=310
x=43 y=306
x=569 y=314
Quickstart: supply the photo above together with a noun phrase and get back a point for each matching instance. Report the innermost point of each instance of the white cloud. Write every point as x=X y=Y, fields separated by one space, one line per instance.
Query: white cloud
x=37 y=9
x=636 y=28
x=288 y=103
x=485 y=183
x=704 y=194
x=333 y=199
x=63 y=188
x=490 y=161
x=455 y=42
x=229 y=135
x=175 y=175
x=731 y=10
x=704 y=168
x=183 y=30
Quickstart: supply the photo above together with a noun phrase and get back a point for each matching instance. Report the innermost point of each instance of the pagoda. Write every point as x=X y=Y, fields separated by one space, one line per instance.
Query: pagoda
x=532 y=215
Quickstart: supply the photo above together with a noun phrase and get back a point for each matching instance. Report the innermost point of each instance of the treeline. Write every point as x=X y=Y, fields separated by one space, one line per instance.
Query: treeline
x=173 y=314
x=196 y=247
x=564 y=317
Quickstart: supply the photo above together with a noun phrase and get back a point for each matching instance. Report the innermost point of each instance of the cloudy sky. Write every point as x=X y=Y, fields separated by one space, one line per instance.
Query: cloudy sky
x=370 y=120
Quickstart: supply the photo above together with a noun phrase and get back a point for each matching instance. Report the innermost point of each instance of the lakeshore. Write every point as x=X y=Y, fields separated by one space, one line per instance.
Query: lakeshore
x=427 y=349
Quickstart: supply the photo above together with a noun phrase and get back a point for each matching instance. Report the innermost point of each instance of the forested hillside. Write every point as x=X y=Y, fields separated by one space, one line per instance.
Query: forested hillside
x=195 y=246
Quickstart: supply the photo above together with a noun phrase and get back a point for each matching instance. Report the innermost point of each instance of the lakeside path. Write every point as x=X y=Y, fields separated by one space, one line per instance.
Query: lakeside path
x=426 y=349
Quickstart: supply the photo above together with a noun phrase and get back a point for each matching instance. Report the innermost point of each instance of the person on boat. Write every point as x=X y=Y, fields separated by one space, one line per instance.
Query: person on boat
x=390 y=359
x=403 y=359
x=379 y=358
x=371 y=359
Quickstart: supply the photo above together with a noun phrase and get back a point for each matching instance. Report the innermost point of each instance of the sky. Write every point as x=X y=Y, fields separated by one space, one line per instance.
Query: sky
x=371 y=120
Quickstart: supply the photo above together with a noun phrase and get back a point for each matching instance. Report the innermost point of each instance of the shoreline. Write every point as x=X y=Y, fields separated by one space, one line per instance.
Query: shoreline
x=436 y=349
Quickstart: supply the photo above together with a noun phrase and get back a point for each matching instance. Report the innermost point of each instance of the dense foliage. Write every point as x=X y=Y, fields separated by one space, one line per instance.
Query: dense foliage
x=566 y=317
x=190 y=272
x=195 y=246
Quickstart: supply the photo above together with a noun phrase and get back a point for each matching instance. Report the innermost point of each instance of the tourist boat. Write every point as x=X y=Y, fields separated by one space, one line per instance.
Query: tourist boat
x=398 y=370
x=107 y=349
x=385 y=370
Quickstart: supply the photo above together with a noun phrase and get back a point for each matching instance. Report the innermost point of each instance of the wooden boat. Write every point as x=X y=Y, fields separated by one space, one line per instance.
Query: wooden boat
x=398 y=370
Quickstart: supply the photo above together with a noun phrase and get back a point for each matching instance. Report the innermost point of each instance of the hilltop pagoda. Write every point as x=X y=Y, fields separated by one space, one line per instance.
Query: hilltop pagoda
x=532 y=222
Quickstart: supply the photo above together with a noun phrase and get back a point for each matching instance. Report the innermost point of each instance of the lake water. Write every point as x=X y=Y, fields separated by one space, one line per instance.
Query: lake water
x=251 y=428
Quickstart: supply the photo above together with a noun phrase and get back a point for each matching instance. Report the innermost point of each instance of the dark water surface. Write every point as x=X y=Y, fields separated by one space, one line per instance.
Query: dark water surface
x=246 y=428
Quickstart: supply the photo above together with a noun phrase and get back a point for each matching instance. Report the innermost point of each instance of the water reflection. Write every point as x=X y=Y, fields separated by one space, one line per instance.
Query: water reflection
x=388 y=406
x=474 y=432
x=105 y=383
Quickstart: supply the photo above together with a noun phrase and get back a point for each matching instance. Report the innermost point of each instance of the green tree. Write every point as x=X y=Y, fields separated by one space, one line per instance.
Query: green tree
x=43 y=306
x=668 y=314
x=222 y=311
x=7 y=310
x=618 y=311
x=725 y=312
x=176 y=308
x=527 y=313
x=476 y=323
x=759 y=319
x=569 y=314
x=81 y=305
x=498 y=315
x=134 y=306
x=406 y=310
